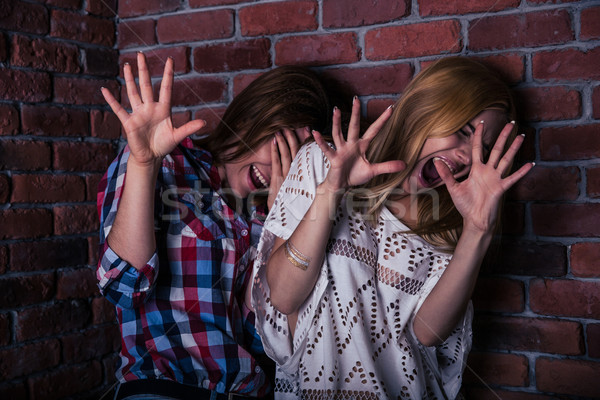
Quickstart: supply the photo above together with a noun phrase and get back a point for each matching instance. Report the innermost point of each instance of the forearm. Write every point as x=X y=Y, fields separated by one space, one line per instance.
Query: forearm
x=132 y=233
x=448 y=300
x=290 y=285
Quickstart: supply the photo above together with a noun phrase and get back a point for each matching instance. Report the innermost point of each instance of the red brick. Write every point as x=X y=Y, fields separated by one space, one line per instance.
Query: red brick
x=21 y=291
x=82 y=28
x=47 y=320
x=564 y=297
x=180 y=118
x=436 y=7
x=133 y=8
x=195 y=26
x=13 y=390
x=76 y=284
x=4 y=188
x=24 y=155
x=593 y=340
x=91 y=184
x=110 y=364
x=593 y=181
x=572 y=377
x=82 y=156
x=47 y=254
x=93 y=249
x=5 y=328
x=103 y=311
x=24 y=360
x=24 y=17
x=105 y=8
x=32 y=87
x=414 y=40
x=499 y=294
x=44 y=54
x=526 y=258
x=596 y=102
x=376 y=107
x=573 y=142
x=569 y=64
x=9 y=120
x=196 y=91
x=82 y=91
x=528 y=334
x=59 y=383
x=47 y=188
x=284 y=16
x=387 y=79
x=526 y=30
x=90 y=344
x=584 y=259
x=136 y=33
x=590 y=28
x=233 y=56
x=549 y=103
x=206 y=3
x=156 y=59
x=510 y=67
x=101 y=62
x=360 y=12
x=54 y=121
x=548 y=183
x=336 y=48
x=212 y=116
x=241 y=81
x=577 y=220
x=105 y=124
x=70 y=220
x=497 y=369
x=25 y=223
x=71 y=4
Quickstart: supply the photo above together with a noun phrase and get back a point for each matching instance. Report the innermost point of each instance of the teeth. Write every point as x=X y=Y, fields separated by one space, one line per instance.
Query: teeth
x=261 y=178
x=445 y=162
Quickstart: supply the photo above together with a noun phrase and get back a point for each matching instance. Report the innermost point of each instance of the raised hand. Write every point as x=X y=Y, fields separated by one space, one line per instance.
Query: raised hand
x=349 y=165
x=284 y=148
x=149 y=129
x=478 y=197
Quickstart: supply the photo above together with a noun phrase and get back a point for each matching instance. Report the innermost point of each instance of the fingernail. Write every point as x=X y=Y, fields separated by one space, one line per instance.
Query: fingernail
x=126 y=63
x=390 y=107
x=512 y=122
x=335 y=109
x=354 y=99
x=522 y=135
x=481 y=122
x=533 y=163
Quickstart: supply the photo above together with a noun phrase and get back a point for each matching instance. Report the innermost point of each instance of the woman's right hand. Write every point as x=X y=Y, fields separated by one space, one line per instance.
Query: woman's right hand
x=349 y=165
x=149 y=129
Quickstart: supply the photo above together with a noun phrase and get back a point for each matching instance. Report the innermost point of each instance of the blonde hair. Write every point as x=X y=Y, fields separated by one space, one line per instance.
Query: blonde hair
x=438 y=102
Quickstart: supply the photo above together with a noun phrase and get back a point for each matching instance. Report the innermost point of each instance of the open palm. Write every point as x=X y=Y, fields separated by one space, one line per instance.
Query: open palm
x=478 y=197
x=149 y=129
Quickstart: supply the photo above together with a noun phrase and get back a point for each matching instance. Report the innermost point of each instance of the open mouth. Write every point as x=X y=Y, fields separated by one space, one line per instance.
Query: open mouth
x=429 y=176
x=259 y=180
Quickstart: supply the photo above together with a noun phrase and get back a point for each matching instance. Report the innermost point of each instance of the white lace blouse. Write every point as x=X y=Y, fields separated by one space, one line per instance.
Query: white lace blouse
x=353 y=338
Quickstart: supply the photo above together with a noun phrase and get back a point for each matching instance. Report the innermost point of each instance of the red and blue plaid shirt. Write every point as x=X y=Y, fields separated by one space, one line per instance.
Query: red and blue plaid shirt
x=182 y=316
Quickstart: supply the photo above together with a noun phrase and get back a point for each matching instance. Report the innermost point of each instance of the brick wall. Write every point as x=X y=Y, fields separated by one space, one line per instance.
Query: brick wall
x=537 y=326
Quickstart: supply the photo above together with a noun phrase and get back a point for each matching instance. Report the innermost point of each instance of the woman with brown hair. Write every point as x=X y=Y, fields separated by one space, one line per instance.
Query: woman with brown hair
x=179 y=226
x=368 y=258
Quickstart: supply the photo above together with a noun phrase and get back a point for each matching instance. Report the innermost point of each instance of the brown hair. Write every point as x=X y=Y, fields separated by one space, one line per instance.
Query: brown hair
x=438 y=102
x=285 y=97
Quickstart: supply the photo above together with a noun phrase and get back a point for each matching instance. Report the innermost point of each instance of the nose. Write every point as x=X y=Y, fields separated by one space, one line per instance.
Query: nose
x=464 y=154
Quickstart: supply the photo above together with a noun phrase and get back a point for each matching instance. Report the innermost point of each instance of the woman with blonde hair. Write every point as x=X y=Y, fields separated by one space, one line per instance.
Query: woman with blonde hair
x=370 y=253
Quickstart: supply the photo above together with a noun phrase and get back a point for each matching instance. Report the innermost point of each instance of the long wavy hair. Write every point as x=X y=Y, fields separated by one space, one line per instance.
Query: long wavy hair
x=438 y=102
x=285 y=97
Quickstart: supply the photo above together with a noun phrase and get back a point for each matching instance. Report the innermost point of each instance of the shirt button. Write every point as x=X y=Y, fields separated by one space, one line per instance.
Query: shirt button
x=244 y=232
x=257 y=369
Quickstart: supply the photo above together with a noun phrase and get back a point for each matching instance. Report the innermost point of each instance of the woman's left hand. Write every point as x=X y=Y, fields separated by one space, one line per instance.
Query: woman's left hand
x=284 y=148
x=478 y=197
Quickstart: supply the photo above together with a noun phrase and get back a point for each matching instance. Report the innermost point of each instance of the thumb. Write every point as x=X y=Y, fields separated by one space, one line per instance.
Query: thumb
x=188 y=129
x=444 y=172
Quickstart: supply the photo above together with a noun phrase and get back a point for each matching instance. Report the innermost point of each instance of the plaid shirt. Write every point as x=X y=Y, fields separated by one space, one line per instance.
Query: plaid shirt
x=182 y=316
